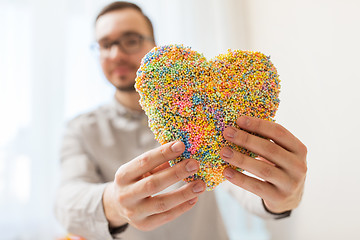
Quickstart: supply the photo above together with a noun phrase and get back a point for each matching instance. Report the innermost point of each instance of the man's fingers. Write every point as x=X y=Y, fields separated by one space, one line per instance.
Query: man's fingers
x=135 y=169
x=263 y=189
x=161 y=180
x=258 y=145
x=273 y=131
x=260 y=158
x=167 y=201
x=156 y=220
x=160 y=168
x=259 y=168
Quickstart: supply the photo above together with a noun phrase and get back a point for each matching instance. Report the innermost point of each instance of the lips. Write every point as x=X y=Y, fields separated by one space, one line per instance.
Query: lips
x=122 y=70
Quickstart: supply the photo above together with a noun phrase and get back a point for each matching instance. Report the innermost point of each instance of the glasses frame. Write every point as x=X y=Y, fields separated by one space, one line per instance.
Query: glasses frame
x=119 y=43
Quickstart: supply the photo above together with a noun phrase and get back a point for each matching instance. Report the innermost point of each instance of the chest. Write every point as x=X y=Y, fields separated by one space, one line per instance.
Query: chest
x=115 y=147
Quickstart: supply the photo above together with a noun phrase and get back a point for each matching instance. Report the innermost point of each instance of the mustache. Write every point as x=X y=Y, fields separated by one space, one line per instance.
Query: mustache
x=129 y=88
x=124 y=63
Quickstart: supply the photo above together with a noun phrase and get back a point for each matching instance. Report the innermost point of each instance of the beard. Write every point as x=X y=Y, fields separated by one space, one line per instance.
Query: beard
x=128 y=88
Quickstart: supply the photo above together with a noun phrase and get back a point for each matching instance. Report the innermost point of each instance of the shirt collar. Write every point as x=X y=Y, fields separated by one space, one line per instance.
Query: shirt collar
x=128 y=113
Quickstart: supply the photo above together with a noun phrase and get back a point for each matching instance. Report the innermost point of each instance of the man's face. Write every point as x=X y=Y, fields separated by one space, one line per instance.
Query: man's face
x=118 y=66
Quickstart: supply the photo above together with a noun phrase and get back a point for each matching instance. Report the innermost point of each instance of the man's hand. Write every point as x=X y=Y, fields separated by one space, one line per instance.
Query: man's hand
x=282 y=163
x=129 y=199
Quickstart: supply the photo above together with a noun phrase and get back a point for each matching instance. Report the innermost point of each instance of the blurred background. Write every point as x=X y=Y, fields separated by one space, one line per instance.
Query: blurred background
x=49 y=75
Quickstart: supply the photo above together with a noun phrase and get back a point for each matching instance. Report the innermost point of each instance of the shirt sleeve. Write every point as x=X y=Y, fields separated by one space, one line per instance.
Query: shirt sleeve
x=78 y=204
x=251 y=202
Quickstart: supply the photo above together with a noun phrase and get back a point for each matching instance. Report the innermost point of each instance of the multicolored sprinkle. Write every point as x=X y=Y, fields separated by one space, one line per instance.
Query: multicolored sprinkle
x=191 y=99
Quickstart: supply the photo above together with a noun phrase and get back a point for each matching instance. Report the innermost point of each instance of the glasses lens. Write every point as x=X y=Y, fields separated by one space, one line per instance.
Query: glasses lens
x=95 y=48
x=131 y=43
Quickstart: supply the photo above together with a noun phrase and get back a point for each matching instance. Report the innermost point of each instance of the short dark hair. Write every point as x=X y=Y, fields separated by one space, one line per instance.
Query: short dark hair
x=118 y=5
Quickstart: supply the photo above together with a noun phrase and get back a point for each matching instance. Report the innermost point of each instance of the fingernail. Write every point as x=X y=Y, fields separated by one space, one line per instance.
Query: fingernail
x=177 y=147
x=227 y=153
x=198 y=188
x=230 y=132
x=229 y=173
x=244 y=121
x=191 y=166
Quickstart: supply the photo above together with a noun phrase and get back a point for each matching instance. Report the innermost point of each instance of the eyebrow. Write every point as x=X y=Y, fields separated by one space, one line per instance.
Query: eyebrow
x=106 y=38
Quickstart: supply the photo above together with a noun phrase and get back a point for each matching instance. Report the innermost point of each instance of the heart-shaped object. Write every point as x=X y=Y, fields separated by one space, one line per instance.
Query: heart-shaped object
x=191 y=99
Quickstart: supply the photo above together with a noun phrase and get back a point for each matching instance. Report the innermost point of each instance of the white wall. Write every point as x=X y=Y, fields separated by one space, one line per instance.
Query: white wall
x=315 y=45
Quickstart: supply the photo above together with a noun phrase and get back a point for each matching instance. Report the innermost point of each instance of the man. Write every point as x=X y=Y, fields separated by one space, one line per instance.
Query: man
x=114 y=172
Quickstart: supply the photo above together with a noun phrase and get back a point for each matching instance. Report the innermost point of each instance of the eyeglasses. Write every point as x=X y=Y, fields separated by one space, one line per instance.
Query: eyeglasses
x=128 y=43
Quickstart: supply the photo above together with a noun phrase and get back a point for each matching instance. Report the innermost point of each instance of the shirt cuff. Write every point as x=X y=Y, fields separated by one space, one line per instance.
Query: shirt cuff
x=276 y=215
x=118 y=230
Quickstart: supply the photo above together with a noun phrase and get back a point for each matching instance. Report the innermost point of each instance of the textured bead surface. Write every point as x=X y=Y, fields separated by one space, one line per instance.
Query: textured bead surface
x=191 y=99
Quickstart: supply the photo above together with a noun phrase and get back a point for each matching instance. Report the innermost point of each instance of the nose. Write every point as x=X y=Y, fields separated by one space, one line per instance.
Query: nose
x=116 y=53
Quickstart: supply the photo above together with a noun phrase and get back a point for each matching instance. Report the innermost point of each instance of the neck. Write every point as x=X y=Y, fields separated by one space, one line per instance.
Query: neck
x=129 y=99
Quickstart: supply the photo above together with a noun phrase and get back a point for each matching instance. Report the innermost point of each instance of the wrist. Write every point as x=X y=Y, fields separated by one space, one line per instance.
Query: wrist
x=114 y=219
